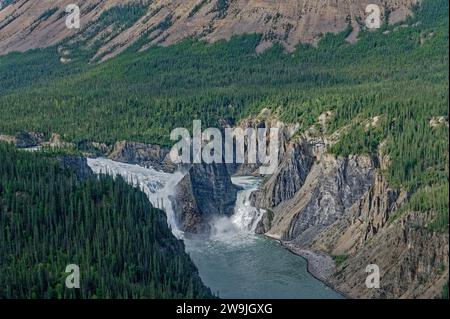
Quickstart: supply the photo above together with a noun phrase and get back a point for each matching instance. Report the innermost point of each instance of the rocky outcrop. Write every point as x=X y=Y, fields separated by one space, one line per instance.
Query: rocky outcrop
x=363 y=221
x=143 y=154
x=265 y=120
x=311 y=189
x=332 y=186
x=205 y=192
x=8 y=139
x=413 y=261
x=28 y=139
x=289 y=177
x=33 y=139
x=27 y=24
x=78 y=165
x=56 y=141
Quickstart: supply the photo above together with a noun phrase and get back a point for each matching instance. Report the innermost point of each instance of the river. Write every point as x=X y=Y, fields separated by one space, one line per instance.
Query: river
x=234 y=262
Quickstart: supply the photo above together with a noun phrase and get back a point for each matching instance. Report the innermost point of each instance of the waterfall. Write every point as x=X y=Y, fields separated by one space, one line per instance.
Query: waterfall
x=160 y=186
x=242 y=224
x=246 y=217
x=233 y=261
x=157 y=185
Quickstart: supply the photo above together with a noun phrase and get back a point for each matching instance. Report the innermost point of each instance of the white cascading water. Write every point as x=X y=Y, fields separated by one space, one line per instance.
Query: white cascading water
x=157 y=185
x=233 y=261
x=240 y=227
x=246 y=217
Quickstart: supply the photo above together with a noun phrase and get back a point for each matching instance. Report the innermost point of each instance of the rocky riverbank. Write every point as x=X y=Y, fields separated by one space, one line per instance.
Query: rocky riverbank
x=320 y=265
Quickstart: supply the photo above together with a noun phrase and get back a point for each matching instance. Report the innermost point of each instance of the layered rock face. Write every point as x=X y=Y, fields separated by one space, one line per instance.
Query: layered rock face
x=143 y=154
x=311 y=190
x=27 y=24
x=363 y=221
x=344 y=207
x=413 y=260
x=289 y=177
x=205 y=192
x=264 y=121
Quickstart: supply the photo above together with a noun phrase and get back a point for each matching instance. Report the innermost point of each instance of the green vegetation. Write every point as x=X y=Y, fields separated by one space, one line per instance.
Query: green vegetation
x=7 y=2
x=222 y=7
x=433 y=199
x=197 y=8
x=397 y=74
x=445 y=291
x=50 y=219
x=339 y=260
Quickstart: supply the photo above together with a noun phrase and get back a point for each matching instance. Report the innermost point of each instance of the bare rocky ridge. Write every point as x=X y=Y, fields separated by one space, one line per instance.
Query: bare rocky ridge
x=28 y=24
x=24 y=139
x=413 y=261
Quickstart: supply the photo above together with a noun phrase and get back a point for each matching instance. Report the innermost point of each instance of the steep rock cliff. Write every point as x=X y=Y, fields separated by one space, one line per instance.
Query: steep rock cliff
x=143 y=154
x=205 y=192
x=289 y=177
x=413 y=260
x=363 y=220
x=345 y=208
x=311 y=189
x=78 y=165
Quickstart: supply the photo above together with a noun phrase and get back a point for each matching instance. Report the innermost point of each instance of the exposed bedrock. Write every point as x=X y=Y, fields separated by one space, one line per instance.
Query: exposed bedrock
x=310 y=190
x=344 y=206
x=287 y=22
x=265 y=120
x=143 y=154
x=77 y=164
x=205 y=192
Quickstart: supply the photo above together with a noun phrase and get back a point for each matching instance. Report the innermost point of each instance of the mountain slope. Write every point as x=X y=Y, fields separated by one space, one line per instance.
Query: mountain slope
x=49 y=219
x=27 y=24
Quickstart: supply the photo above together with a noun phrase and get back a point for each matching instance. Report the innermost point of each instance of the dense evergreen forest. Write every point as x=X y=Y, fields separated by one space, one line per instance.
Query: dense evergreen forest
x=398 y=74
x=49 y=219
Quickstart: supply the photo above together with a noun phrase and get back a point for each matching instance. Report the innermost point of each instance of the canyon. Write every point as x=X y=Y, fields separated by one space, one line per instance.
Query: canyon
x=339 y=213
x=328 y=208
x=320 y=205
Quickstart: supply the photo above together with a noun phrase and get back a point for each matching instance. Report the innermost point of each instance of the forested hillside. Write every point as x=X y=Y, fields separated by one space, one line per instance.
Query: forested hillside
x=398 y=74
x=387 y=94
x=49 y=219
